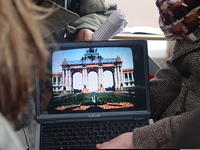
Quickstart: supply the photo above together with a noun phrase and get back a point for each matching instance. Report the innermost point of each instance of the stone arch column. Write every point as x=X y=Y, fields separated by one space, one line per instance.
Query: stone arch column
x=70 y=80
x=100 y=77
x=115 y=77
x=84 y=77
x=63 y=77
x=121 y=76
x=67 y=79
x=118 y=77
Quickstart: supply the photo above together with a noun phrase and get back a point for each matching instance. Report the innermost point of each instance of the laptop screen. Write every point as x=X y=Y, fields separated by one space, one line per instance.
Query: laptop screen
x=97 y=78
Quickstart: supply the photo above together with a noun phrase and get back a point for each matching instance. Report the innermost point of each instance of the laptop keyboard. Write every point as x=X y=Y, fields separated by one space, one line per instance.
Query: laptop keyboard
x=83 y=135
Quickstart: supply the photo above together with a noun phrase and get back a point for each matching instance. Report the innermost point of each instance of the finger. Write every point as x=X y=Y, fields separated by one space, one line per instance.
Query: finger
x=98 y=146
x=103 y=145
x=88 y=38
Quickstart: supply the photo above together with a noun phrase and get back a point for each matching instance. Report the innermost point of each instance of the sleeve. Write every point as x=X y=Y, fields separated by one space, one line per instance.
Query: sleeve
x=164 y=88
x=91 y=21
x=160 y=134
x=93 y=13
x=9 y=140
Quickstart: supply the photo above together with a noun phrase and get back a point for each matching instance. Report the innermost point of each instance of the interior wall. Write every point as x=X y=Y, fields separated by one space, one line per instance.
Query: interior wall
x=139 y=12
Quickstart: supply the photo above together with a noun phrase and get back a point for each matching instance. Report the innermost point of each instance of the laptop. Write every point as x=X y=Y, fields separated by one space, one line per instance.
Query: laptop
x=93 y=92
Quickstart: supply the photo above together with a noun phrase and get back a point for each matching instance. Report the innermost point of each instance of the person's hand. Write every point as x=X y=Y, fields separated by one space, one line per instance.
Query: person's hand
x=123 y=141
x=84 y=35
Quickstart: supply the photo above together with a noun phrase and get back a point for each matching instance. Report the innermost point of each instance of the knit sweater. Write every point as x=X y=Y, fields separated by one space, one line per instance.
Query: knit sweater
x=9 y=140
x=175 y=97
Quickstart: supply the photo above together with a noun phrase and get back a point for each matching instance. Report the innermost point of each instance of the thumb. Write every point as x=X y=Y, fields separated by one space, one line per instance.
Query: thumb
x=103 y=145
x=88 y=38
x=98 y=146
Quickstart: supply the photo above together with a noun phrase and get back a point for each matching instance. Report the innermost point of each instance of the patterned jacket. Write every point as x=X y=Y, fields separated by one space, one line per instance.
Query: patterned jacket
x=180 y=18
x=175 y=96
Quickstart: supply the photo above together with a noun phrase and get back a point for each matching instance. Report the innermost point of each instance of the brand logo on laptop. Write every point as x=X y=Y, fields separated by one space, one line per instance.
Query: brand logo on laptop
x=94 y=116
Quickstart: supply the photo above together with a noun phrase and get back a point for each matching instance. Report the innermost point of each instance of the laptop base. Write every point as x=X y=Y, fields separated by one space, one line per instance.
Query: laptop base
x=84 y=134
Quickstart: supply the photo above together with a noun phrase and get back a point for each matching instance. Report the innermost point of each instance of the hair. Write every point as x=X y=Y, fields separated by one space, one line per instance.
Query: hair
x=21 y=49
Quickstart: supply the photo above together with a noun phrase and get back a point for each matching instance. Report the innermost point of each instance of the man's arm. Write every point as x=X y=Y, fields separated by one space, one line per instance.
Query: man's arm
x=164 y=88
x=92 y=14
x=158 y=135
x=86 y=25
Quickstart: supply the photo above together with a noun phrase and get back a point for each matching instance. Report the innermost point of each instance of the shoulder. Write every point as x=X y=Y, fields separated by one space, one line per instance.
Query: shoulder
x=96 y=6
x=9 y=140
x=184 y=47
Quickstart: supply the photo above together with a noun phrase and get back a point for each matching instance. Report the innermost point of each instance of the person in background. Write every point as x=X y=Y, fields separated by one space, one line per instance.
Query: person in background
x=92 y=14
x=22 y=49
x=175 y=90
x=87 y=16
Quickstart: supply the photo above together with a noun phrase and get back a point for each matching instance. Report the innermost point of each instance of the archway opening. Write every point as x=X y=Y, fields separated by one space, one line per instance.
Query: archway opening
x=77 y=81
x=92 y=81
x=108 y=79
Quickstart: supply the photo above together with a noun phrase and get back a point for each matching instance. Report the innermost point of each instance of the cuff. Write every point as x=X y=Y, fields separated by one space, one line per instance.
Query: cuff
x=152 y=136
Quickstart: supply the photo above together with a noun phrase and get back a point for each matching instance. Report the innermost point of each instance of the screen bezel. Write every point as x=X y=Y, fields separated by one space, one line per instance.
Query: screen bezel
x=139 y=65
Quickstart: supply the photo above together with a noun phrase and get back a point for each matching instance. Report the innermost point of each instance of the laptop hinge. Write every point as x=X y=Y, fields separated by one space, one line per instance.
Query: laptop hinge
x=47 y=121
x=139 y=118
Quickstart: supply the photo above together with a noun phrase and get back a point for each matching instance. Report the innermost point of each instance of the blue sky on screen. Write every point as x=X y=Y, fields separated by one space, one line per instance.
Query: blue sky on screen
x=106 y=52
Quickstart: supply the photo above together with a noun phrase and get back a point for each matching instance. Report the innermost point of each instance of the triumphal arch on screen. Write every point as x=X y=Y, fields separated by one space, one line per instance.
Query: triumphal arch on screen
x=92 y=61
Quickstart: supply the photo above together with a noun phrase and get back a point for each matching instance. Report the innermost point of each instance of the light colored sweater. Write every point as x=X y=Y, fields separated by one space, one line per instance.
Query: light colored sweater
x=8 y=138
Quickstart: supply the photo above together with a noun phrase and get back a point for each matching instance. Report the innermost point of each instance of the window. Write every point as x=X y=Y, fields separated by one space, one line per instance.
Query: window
x=59 y=80
x=54 y=80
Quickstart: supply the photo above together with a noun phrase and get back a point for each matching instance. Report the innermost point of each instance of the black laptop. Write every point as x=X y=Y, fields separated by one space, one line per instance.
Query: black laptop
x=93 y=92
